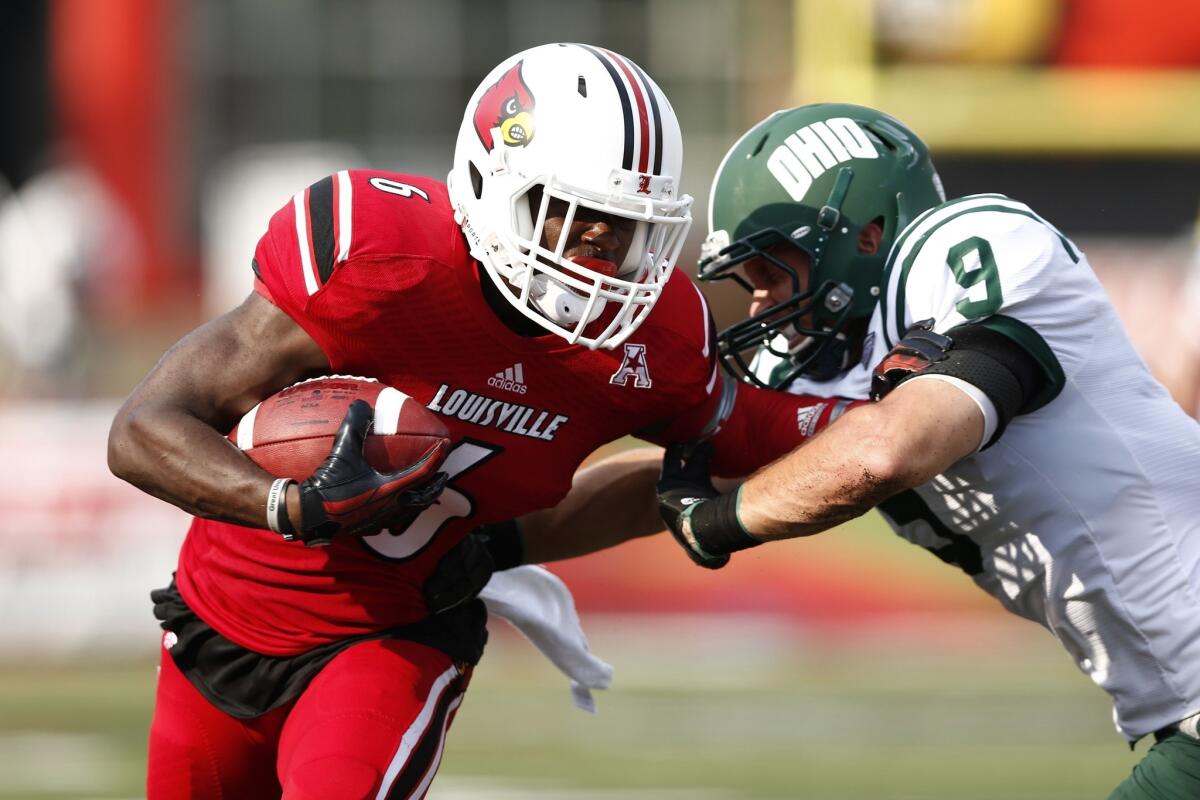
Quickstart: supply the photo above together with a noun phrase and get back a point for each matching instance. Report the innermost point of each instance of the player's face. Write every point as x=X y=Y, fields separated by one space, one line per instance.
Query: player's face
x=597 y=241
x=773 y=285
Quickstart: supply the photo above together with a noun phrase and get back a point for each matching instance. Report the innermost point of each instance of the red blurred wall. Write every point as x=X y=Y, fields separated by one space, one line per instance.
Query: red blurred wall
x=118 y=87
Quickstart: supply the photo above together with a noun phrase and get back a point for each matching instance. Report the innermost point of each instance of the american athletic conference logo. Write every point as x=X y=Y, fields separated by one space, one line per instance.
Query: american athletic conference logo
x=633 y=366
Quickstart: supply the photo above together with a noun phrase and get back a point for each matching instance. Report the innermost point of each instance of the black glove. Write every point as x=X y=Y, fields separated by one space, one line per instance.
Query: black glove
x=347 y=496
x=705 y=523
x=684 y=485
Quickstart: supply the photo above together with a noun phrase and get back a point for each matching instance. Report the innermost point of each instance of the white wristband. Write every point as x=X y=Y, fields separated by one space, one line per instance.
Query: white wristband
x=275 y=500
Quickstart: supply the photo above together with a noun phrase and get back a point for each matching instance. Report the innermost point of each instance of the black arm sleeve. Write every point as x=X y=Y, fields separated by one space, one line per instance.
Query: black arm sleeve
x=996 y=365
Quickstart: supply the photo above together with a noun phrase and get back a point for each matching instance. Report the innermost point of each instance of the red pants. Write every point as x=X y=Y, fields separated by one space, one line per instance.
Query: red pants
x=372 y=724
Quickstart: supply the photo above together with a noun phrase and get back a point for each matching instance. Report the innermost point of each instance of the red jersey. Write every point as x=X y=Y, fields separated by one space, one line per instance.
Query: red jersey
x=373 y=266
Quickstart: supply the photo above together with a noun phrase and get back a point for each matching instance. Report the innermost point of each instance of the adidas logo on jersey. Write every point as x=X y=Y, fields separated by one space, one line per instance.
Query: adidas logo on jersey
x=808 y=418
x=806 y=154
x=510 y=380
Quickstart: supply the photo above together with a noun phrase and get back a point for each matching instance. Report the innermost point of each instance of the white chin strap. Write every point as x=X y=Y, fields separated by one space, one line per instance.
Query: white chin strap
x=560 y=304
x=636 y=257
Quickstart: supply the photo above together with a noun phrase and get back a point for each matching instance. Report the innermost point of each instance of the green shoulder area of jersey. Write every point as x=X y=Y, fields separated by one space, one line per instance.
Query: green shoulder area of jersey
x=908 y=247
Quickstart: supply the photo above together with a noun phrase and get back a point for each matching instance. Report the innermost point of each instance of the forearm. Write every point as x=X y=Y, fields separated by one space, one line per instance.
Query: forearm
x=870 y=454
x=179 y=458
x=168 y=438
x=610 y=502
x=818 y=487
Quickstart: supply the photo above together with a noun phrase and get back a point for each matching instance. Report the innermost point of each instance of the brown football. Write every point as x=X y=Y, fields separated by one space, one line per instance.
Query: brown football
x=291 y=432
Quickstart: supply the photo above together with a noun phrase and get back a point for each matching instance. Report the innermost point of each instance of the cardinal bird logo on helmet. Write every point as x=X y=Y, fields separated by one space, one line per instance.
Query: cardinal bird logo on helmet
x=507 y=105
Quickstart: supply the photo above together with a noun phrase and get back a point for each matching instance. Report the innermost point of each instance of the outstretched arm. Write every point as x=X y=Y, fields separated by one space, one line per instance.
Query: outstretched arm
x=610 y=502
x=614 y=500
x=865 y=457
x=943 y=398
x=869 y=454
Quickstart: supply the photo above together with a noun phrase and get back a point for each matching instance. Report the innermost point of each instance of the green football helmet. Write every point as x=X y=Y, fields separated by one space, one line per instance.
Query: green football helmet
x=812 y=178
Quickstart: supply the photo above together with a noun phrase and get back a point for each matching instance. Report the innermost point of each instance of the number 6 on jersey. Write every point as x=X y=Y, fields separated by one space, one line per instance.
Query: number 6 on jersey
x=451 y=504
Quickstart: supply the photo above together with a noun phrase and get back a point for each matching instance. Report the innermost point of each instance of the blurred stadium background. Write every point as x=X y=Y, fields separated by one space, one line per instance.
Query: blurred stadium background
x=146 y=142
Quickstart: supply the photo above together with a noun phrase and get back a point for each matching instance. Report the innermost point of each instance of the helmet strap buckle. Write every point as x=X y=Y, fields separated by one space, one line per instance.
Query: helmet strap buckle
x=838 y=298
x=830 y=213
x=828 y=217
x=499 y=161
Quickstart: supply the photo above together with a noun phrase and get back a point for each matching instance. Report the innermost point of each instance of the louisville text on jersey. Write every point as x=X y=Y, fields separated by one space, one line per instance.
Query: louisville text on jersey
x=489 y=412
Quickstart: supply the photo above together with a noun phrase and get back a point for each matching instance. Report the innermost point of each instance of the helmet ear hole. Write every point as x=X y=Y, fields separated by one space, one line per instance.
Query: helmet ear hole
x=870 y=236
x=476 y=180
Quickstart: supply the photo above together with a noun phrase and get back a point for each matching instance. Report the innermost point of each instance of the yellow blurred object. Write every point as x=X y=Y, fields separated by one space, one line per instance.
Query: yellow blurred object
x=989 y=106
x=966 y=31
x=1009 y=31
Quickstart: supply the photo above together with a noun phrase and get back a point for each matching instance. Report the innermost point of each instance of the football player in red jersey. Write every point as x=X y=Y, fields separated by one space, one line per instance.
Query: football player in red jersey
x=531 y=302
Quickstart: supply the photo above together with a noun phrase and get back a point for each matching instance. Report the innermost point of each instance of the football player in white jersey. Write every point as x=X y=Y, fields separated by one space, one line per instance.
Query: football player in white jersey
x=1015 y=433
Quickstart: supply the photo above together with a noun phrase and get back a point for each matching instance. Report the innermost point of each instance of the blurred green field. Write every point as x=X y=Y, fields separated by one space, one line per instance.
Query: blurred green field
x=952 y=699
x=727 y=708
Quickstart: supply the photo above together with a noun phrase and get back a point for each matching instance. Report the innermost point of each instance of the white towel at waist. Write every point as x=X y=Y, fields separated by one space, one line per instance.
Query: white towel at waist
x=539 y=605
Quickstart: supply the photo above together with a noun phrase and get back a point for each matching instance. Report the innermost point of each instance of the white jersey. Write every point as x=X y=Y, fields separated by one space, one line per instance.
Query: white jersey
x=1084 y=515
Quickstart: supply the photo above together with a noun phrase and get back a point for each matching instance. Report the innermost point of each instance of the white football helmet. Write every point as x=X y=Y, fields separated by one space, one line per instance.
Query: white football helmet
x=586 y=126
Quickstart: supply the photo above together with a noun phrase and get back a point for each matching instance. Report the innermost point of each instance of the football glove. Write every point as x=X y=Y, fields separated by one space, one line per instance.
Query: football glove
x=683 y=485
x=704 y=522
x=346 y=496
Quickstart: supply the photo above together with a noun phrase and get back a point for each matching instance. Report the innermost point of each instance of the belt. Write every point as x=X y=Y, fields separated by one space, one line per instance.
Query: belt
x=1188 y=727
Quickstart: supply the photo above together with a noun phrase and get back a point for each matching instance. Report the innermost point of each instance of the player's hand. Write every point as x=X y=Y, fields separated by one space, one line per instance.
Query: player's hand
x=683 y=486
x=347 y=496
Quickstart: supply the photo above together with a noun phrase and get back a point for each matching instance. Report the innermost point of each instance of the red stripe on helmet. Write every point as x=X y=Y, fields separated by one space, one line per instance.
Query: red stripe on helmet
x=639 y=96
